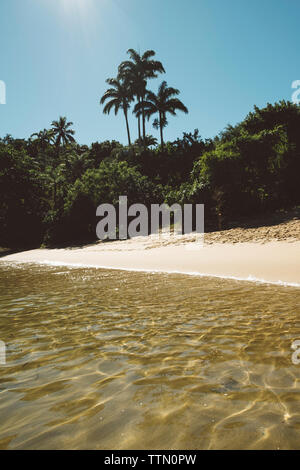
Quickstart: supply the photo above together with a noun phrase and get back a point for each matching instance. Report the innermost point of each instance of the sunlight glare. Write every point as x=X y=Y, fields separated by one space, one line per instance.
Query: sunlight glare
x=81 y=7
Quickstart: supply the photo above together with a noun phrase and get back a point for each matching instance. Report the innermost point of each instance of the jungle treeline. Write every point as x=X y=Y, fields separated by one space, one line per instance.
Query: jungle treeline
x=51 y=186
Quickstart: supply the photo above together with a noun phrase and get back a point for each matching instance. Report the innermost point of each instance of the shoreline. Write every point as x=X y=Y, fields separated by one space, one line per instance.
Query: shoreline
x=270 y=262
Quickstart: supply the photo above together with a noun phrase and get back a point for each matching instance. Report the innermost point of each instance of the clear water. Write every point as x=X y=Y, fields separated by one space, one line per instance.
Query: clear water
x=102 y=359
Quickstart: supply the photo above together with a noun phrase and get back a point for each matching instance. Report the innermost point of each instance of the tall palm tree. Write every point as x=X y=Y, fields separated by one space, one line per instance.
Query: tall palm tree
x=136 y=87
x=61 y=131
x=162 y=103
x=137 y=71
x=120 y=97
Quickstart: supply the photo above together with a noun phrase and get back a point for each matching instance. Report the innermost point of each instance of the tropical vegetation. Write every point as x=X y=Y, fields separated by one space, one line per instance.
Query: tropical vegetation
x=50 y=186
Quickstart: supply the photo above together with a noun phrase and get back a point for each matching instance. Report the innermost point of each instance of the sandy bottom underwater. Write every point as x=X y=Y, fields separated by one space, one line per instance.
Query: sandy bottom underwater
x=100 y=359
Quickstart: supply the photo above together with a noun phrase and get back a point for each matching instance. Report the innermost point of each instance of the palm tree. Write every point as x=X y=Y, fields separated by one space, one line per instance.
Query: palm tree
x=148 y=141
x=162 y=103
x=61 y=132
x=136 y=71
x=120 y=96
x=136 y=87
x=43 y=137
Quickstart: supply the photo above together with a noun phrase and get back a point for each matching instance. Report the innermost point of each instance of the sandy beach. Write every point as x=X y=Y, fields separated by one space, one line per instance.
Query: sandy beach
x=275 y=262
x=265 y=253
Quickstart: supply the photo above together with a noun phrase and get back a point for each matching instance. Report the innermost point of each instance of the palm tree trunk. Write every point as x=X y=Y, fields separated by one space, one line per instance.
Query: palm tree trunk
x=143 y=114
x=139 y=121
x=127 y=126
x=161 y=131
x=139 y=127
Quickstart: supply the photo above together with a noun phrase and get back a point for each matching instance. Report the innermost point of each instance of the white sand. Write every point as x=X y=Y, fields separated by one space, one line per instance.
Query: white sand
x=275 y=262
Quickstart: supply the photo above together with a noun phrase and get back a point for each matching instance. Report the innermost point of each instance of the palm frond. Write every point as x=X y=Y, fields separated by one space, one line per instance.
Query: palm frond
x=110 y=93
x=135 y=56
x=175 y=104
x=168 y=92
x=148 y=54
x=107 y=108
x=150 y=96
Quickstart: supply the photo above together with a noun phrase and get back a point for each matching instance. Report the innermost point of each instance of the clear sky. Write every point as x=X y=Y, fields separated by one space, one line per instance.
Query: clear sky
x=224 y=56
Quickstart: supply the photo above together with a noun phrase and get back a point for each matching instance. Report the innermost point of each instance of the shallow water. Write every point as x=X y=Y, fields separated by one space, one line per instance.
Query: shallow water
x=101 y=359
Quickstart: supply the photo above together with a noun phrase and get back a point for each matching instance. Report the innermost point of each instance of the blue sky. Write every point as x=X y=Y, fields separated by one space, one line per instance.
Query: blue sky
x=224 y=56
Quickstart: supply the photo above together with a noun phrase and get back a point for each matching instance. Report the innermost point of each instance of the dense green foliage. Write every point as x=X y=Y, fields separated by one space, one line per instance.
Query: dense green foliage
x=51 y=186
